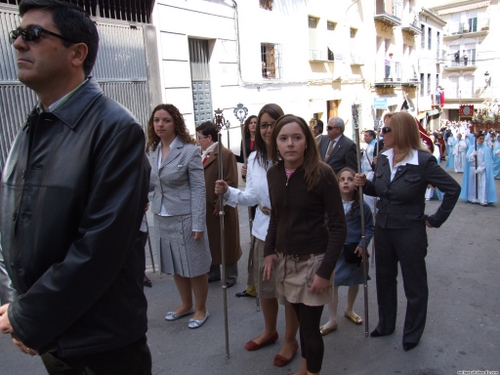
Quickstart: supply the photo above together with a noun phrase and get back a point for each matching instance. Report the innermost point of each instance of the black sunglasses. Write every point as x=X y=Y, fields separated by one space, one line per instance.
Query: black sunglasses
x=331 y=127
x=386 y=130
x=32 y=33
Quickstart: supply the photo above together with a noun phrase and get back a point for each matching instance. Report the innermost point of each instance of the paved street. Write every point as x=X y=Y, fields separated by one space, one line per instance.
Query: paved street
x=462 y=332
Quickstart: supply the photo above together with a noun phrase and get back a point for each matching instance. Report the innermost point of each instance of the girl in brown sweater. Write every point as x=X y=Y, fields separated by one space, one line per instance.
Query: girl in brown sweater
x=301 y=247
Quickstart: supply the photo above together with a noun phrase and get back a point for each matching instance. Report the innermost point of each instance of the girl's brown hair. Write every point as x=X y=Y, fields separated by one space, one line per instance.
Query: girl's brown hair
x=312 y=169
x=356 y=191
x=275 y=111
x=180 y=128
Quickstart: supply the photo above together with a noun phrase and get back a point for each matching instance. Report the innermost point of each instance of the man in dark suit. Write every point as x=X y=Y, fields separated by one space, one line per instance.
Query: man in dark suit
x=336 y=149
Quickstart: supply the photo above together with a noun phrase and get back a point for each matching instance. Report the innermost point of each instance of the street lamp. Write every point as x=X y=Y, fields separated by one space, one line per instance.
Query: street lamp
x=487 y=79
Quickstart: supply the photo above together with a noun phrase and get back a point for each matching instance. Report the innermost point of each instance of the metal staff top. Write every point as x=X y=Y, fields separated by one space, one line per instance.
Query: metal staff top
x=241 y=113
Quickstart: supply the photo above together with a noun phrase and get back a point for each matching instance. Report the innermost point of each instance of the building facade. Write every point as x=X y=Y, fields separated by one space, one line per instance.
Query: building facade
x=470 y=55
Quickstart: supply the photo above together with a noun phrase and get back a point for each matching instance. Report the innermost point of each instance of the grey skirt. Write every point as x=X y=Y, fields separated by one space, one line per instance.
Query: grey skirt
x=179 y=252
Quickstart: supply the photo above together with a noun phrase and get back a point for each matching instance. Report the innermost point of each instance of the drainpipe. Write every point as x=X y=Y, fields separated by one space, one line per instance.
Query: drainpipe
x=235 y=6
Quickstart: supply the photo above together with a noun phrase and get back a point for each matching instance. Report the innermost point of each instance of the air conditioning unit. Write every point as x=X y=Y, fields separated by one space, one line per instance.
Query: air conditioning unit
x=357 y=60
x=314 y=55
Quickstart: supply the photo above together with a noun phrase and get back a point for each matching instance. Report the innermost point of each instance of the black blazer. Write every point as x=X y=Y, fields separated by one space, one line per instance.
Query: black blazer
x=402 y=200
x=239 y=158
x=343 y=154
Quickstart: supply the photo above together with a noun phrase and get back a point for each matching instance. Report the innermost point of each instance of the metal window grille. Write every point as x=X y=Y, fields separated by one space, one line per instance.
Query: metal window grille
x=422 y=38
x=429 y=37
x=266 y=4
x=126 y=10
x=271 y=60
x=313 y=22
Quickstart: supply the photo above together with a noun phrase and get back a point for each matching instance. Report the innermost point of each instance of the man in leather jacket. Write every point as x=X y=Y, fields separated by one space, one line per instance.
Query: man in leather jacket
x=72 y=196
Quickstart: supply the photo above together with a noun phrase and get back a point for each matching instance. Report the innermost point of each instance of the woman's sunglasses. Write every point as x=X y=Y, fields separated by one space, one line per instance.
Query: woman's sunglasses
x=32 y=33
x=386 y=130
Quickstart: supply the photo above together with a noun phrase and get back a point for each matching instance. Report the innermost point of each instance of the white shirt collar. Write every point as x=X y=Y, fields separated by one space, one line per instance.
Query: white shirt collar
x=411 y=159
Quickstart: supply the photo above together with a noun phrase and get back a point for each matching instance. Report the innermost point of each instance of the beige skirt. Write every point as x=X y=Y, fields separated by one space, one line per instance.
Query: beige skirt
x=294 y=278
x=266 y=289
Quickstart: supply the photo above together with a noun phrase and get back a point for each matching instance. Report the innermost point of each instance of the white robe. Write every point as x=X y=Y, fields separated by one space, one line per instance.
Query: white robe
x=481 y=181
x=459 y=153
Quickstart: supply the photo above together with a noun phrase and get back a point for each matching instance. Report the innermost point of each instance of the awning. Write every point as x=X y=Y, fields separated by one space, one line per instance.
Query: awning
x=464 y=8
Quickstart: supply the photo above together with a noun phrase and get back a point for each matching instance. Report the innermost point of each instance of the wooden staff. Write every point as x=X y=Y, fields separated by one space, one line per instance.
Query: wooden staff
x=355 y=123
x=219 y=123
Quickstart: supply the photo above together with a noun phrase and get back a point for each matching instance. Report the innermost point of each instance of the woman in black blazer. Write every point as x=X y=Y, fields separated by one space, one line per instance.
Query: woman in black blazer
x=403 y=172
x=249 y=129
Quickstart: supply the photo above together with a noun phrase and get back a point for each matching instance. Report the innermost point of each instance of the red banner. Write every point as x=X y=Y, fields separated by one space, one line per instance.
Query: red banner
x=425 y=137
x=466 y=110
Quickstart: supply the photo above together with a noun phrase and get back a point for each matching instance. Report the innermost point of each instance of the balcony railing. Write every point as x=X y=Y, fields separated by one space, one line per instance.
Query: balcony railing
x=459 y=28
x=388 y=12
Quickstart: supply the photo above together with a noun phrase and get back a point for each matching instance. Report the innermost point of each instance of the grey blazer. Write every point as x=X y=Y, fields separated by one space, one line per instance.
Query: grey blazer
x=179 y=183
x=343 y=154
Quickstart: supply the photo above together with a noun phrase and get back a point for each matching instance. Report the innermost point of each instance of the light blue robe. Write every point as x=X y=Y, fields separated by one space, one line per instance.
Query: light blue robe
x=450 y=163
x=468 y=182
x=496 y=160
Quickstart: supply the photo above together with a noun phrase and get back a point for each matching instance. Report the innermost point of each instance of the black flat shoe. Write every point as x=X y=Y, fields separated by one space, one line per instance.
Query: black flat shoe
x=409 y=346
x=376 y=333
x=230 y=284
x=148 y=283
x=213 y=279
x=243 y=294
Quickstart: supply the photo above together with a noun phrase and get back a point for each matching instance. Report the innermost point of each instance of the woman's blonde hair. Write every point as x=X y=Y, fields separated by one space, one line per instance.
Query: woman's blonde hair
x=405 y=131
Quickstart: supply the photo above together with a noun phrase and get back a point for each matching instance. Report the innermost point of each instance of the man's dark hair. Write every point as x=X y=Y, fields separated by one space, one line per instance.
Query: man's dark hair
x=208 y=128
x=319 y=126
x=372 y=133
x=73 y=22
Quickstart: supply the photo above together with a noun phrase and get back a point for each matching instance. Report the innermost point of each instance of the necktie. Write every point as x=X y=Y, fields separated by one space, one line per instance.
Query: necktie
x=330 y=149
x=206 y=158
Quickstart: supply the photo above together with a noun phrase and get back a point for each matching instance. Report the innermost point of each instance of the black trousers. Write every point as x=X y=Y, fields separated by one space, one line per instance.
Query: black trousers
x=408 y=247
x=133 y=359
x=311 y=341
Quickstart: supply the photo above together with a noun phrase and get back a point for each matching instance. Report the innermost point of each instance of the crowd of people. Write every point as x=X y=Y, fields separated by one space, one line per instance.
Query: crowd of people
x=81 y=174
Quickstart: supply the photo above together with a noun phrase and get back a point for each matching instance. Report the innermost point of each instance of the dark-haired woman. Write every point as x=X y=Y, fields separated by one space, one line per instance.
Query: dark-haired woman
x=403 y=172
x=179 y=207
x=301 y=243
x=249 y=127
x=257 y=192
x=348 y=271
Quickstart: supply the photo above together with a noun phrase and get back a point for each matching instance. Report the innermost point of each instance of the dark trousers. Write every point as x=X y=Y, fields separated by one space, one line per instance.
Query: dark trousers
x=408 y=247
x=133 y=359
x=231 y=272
x=311 y=341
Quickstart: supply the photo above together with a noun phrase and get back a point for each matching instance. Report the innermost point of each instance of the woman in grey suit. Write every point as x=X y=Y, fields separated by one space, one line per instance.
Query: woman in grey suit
x=404 y=170
x=179 y=207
